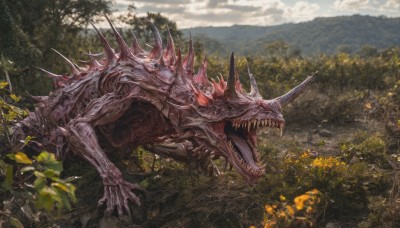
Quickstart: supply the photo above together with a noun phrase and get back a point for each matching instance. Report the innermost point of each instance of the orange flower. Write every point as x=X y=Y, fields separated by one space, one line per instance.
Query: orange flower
x=290 y=210
x=299 y=201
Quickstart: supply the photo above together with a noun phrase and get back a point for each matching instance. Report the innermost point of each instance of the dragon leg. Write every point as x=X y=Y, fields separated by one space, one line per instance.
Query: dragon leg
x=83 y=140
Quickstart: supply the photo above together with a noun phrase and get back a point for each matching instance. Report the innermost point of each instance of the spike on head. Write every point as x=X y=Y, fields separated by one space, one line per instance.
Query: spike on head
x=253 y=84
x=230 y=91
x=156 y=52
x=124 y=49
x=111 y=58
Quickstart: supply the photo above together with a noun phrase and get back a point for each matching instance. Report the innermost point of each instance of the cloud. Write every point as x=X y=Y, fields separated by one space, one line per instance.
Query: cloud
x=350 y=4
x=303 y=10
x=192 y=13
x=165 y=9
x=215 y=3
x=392 y=4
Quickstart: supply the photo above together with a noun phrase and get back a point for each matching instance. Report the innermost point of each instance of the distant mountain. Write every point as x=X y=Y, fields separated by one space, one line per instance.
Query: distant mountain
x=321 y=35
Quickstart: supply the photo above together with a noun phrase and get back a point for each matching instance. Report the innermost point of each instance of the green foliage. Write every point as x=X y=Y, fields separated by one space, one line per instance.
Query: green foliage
x=51 y=190
x=372 y=149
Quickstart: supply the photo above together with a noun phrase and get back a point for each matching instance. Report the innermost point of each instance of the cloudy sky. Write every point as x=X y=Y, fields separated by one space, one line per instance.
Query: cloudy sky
x=193 y=13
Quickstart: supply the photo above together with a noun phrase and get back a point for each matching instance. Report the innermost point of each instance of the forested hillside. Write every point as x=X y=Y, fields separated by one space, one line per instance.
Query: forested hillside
x=322 y=35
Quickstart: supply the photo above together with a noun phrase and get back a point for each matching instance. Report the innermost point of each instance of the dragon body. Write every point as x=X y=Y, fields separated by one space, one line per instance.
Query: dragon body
x=132 y=97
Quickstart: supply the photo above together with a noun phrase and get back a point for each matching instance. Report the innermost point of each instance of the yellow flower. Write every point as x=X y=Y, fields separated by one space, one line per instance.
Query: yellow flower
x=305 y=154
x=282 y=198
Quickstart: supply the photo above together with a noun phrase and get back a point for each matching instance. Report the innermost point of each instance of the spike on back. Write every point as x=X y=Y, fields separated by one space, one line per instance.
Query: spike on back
x=178 y=65
x=201 y=76
x=111 y=58
x=189 y=59
x=169 y=53
x=156 y=52
x=136 y=49
x=124 y=49
x=74 y=68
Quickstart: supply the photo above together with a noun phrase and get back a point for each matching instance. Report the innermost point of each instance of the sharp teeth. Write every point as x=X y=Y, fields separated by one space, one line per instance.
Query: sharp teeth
x=269 y=122
x=248 y=127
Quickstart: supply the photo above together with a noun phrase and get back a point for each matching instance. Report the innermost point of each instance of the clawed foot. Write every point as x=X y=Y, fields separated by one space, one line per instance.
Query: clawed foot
x=117 y=196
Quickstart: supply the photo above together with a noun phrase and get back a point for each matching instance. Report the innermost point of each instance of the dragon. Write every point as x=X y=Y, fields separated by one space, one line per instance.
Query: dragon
x=132 y=97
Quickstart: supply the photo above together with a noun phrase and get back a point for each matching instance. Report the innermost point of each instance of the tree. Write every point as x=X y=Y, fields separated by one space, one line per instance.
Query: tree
x=142 y=29
x=277 y=48
x=368 y=51
x=14 y=43
x=28 y=26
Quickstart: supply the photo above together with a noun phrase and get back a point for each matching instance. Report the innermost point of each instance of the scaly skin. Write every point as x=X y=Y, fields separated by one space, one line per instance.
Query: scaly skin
x=154 y=99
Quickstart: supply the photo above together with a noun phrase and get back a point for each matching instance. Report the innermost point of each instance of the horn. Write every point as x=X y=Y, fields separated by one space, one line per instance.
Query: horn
x=73 y=67
x=253 y=84
x=156 y=52
x=296 y=91
x=124 y=49
x=111 y=58
x=230 y=90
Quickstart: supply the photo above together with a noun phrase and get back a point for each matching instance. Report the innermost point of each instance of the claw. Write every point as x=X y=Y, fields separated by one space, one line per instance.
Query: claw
x=117 y=197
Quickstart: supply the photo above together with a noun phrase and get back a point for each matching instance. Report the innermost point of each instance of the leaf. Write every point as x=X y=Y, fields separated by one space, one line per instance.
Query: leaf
x=15 y=222
x=11 y=156
x=72 y=178
x=49 y=173
x=44 y=201
x=28 y=139
x=64 y=199
x=60 y=186
x=39 y=183
x=15 y=97
x=9 y=176
x=49 y=161
x=27 y=169
x=3 y=84
x=22 y=158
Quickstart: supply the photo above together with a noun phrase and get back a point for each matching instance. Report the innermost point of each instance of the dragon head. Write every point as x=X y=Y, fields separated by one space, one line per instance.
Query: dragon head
x=232 y=117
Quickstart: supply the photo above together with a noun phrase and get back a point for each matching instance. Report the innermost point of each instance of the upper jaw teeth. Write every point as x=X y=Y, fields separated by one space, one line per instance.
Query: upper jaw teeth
x=259 y=123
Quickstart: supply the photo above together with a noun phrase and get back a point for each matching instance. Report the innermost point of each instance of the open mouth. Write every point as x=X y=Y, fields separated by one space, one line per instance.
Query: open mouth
x=242 y=140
